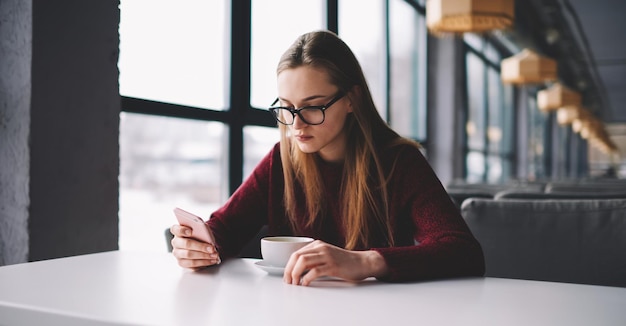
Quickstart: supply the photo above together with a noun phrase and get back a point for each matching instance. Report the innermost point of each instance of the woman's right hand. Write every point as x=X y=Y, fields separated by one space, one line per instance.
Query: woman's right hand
x=190 y=252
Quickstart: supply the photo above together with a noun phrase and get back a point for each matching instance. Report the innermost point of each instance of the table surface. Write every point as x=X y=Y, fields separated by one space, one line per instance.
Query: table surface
x=138 y=288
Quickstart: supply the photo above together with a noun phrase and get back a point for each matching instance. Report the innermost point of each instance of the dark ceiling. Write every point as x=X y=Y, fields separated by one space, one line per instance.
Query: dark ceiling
x=585 y=37
x=603 y=23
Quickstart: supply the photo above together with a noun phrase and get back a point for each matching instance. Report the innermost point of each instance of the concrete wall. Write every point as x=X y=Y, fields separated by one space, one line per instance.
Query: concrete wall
x=67 y=172
x=15 y=94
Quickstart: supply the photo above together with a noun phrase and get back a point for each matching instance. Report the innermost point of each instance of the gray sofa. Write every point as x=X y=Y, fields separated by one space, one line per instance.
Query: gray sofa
x=575 y=241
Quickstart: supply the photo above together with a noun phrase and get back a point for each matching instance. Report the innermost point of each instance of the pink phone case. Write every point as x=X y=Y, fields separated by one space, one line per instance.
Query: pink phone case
x=199 y=230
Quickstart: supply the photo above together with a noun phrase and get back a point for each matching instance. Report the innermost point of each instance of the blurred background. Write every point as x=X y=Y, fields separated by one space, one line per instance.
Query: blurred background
x=196 y=76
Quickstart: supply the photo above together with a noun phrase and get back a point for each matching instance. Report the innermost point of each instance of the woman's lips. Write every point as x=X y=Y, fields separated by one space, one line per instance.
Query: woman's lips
x=303 y=138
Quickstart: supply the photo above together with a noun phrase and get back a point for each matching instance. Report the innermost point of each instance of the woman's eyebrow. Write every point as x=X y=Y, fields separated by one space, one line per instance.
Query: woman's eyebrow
x=308 y=98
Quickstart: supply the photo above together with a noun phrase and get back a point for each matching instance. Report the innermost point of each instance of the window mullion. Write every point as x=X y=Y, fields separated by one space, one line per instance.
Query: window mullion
x=239 y=99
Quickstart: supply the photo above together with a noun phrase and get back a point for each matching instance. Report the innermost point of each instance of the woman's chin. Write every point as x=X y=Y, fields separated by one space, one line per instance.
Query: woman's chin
x=307 y=148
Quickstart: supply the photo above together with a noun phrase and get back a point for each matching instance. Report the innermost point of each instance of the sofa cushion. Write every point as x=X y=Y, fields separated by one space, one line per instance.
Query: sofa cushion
x=515 y=194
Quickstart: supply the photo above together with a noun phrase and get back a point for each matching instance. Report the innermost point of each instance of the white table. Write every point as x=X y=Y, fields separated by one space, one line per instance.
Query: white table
x=133 y=288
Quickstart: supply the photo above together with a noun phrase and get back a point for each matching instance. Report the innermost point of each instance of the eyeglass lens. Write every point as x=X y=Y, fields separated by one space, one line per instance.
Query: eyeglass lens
x=308 y=115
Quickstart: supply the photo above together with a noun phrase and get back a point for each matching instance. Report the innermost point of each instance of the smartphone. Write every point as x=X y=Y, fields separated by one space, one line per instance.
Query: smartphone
x=199 y=230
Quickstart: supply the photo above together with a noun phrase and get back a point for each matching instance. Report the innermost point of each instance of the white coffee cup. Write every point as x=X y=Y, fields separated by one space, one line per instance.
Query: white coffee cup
x=277 y=250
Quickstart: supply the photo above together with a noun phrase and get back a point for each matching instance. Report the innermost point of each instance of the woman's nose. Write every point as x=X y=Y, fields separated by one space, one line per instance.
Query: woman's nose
x=298 y=123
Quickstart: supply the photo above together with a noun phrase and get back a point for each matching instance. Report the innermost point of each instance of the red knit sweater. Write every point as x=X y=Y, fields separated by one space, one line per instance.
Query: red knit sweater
x=431 y=238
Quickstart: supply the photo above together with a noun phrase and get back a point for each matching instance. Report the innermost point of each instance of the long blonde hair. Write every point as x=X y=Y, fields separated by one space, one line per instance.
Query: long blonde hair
x=365 y=205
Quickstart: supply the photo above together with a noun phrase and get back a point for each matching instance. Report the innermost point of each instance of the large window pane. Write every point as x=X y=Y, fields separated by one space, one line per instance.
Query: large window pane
x=361 y=26
x=537 y=140
x=495 y=169
x=257 y=142
x=275 y=25
x=175 y=52
x=491 y=54
x=475 y=165
x=474 y=40
x=408 y=70
x=495 y=110
x=164 y=163
x=476 y=125
x=490 y=110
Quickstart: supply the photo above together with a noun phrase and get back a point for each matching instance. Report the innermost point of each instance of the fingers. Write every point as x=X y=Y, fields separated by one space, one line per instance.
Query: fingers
x=189 y=258
x=314 y=273
x=190 y=252
x=289 y=276
x=306 y=264
x=197 y=264
x=321 y=259
x=184 y=253
x=192 y=244
x=180 y=230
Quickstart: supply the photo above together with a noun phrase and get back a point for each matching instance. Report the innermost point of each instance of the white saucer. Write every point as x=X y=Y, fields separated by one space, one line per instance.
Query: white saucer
x=272 y=270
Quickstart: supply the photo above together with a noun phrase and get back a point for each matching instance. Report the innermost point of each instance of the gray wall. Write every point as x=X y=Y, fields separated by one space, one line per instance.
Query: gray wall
x=59 y=161
x=15 y=94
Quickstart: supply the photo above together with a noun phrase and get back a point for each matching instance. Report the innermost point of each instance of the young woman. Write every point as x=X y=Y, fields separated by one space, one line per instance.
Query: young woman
x=340 y=175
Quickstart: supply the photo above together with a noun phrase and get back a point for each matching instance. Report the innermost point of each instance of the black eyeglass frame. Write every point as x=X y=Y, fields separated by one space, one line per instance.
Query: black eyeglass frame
x=294 y=112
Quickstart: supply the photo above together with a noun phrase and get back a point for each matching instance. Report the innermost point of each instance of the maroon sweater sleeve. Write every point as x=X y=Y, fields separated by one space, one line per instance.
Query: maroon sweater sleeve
x=422 y=213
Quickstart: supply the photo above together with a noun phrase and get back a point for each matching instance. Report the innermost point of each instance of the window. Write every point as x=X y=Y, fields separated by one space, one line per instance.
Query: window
x=538 y=140
x=183 y=141
x=257 y=142
x=366 y=38
x=275 y=25
x=164 y=163
x=174 y=53
x=407 y=49
x=489 y=126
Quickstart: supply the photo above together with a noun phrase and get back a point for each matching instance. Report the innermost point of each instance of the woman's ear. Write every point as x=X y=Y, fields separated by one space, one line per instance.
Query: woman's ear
x=353 y=95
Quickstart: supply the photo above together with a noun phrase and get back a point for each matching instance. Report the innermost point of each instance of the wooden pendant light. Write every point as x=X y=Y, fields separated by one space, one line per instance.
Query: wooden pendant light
x=460 y=16
x=527 y=67
x=557 y=96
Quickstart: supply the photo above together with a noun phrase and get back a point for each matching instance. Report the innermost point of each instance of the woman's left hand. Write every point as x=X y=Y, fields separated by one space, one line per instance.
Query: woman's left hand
x=319 y=259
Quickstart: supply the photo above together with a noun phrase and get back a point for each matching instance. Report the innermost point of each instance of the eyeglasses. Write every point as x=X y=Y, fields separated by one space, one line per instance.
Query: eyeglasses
x=311 y=115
